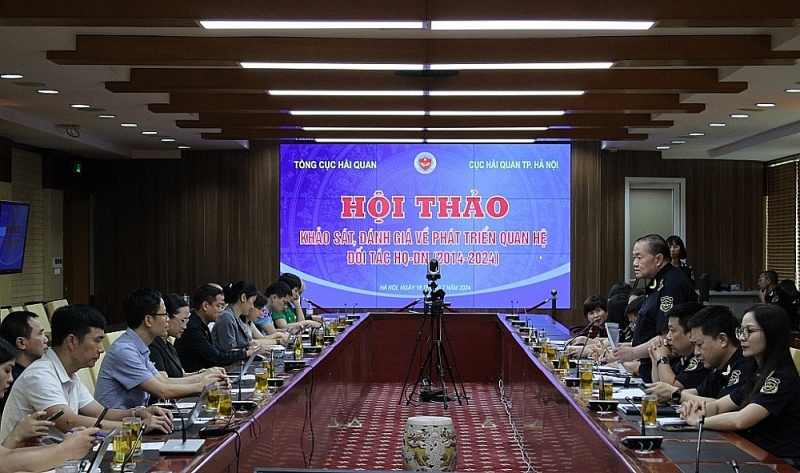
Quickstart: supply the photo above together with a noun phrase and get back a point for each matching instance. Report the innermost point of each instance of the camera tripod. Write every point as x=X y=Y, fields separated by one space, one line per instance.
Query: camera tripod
x=437 y=355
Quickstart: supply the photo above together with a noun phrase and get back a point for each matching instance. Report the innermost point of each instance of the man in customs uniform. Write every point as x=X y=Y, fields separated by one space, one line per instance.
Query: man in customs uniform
x=668 y=287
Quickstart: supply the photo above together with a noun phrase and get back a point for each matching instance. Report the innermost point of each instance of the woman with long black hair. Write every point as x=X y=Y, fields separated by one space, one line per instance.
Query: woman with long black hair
x=767 y=405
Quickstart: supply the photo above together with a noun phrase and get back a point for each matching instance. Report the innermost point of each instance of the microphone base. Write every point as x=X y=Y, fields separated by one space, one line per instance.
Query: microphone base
x=179 y=446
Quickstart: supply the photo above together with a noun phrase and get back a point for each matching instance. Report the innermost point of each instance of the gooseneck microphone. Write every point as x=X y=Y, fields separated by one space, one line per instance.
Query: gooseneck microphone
x=641 y=414
x=241 y=380
x=699 y=439
x=584 y=330
x=735 y=466
x=183 y=424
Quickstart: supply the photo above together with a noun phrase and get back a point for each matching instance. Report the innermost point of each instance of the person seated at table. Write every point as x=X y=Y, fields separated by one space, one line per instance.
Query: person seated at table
x=233 y=329
x=620 y=288
x=196 y=347
x=278 y=295
x=51 y=383
x=228 y=332
x=23 y=330
x=292 y=314
x=256 y=313
x=594 y=309
x=127 y=377
x=713 y=334
x=162 y=352
x=32 y=428
x=604 y=355
x=615 y=306
x=673 y=356
x=766 y=406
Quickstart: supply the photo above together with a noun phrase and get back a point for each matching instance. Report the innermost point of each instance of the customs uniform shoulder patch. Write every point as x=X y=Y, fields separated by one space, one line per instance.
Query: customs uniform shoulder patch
x=770 y=385
x=693 y=364
x=666 y=303
x=775 y=299
x=734 y=378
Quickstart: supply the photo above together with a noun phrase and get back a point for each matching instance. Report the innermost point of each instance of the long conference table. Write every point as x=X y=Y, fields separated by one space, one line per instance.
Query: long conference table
x=558 y=431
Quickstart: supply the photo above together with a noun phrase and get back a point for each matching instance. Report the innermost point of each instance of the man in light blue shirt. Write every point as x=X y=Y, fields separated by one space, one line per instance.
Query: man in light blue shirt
x=127 y=377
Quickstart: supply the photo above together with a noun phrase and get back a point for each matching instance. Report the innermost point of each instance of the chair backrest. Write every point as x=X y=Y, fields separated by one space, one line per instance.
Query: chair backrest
x=86 y=378
x=53 y=305
x=4 y=311
x=95 y=370
x=17 y=308
x=111 y=337
x=795 y=357
x=38 y=309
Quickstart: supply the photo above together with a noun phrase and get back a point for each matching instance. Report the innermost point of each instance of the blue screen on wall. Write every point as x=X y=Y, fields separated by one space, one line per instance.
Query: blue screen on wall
x=360 y=222
x=13 y=234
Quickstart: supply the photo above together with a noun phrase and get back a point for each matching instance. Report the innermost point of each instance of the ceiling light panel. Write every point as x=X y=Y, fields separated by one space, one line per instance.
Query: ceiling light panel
x=540 y=25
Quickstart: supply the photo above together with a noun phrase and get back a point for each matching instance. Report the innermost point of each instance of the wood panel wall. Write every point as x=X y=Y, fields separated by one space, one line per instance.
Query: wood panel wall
x=176 y=224
x=213 y=216
x=725 y=217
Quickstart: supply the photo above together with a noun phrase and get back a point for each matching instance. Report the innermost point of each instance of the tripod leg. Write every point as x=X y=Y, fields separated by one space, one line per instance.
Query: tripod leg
x=417 y=344
x=455 y=364
x=441 y=362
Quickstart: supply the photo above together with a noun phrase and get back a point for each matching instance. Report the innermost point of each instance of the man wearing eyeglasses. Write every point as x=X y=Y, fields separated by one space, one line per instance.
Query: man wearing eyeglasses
x=127 y=377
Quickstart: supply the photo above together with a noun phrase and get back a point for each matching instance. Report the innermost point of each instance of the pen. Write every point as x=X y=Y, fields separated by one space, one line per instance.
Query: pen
x=100 y=435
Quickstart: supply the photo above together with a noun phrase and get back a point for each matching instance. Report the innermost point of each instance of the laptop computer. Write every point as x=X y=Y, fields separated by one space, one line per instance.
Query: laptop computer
x=97 y=458
x=245 y=367
x=190 y=416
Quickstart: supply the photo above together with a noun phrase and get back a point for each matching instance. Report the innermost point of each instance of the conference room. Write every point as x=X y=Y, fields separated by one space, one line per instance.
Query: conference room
x=225 y=178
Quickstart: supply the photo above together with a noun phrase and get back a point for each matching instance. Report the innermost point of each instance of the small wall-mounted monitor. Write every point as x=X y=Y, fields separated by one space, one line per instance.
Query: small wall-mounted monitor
x=13 y=235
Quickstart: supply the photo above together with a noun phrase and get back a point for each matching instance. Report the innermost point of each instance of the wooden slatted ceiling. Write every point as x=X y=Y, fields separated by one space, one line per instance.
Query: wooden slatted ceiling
x=654 y=72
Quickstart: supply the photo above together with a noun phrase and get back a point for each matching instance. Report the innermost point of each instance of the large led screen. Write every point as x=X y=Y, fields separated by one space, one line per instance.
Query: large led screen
x=361 y=222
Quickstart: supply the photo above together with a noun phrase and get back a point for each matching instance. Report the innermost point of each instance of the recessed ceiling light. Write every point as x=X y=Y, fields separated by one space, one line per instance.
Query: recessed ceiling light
x=662 y=147
x=678 y=142
x=106 y=115
x=696 y=133
x=80 y=105
x=11 y=76
x=765 y=104
x=716 y=124
x=184 y=147
x=309 y=25
x=350 y=66
x=149 y=132
x=503 y=66
x=167 y=140
x=793 y=91
x=540 y=25
x=740 y=115
x=128 y=125
x=47 y=91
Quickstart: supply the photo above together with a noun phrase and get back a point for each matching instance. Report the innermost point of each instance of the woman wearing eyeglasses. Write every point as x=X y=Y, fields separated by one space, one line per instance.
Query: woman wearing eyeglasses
x=766 y=408
x=162 y=352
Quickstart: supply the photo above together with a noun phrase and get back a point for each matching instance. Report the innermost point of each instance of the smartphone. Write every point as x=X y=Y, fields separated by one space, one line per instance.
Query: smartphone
x=56 y=415
x=100 y=419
